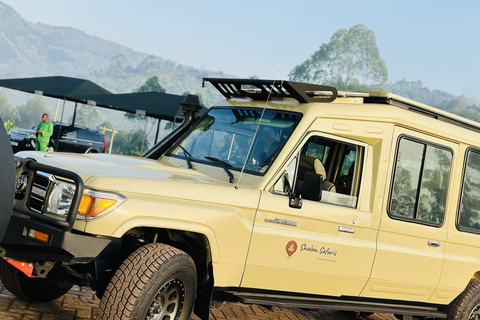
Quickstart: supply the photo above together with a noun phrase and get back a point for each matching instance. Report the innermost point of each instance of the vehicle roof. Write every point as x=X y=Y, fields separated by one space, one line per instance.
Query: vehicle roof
x=305 y=96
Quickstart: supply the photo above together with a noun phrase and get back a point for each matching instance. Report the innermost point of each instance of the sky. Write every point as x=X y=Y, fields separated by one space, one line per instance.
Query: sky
x=437 y=42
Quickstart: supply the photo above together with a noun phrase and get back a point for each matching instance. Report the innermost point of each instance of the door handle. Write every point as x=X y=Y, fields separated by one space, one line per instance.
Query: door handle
x=90 y=144
x=346 y=229
x=434 y=244
x=74 y=141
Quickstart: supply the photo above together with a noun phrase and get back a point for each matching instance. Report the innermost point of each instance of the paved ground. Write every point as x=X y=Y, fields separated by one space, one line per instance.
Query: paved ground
x=81 y=304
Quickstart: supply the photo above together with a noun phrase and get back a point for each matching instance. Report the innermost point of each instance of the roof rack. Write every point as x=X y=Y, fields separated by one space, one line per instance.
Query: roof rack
x=259 y=89
x=397 y=101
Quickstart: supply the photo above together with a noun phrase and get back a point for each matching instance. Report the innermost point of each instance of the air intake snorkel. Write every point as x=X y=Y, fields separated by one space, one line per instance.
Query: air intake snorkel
x=190 y=109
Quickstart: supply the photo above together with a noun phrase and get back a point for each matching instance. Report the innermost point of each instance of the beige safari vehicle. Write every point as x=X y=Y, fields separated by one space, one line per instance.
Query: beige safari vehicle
x=284 y=194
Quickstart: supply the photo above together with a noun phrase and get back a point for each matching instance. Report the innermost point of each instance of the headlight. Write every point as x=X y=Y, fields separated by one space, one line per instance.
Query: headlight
x=31 y=135
x=60 y=198
x=95 y=204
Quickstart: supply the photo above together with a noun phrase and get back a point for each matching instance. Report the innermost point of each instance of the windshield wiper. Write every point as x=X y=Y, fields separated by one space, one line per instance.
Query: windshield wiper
x=188 y=156
x=224 y=166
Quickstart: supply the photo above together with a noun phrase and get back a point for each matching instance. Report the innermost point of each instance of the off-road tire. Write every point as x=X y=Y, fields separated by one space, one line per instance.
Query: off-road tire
x=467 y=304
x=151 y=273
x=32 y=289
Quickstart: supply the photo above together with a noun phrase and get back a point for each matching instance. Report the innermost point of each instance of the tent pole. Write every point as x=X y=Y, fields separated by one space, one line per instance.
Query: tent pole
x=60 y=126
x=56 y=111
x=158 y=129
x=74 y=114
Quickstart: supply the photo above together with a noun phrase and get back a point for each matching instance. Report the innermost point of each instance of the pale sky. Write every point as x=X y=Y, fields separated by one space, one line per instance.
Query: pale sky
x=436 y=42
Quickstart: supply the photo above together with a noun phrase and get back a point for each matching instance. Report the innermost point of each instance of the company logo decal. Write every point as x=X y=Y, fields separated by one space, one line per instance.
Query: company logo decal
x=291 y=248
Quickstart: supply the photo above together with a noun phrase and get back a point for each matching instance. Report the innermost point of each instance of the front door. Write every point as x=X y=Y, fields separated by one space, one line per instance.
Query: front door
x=325 y=247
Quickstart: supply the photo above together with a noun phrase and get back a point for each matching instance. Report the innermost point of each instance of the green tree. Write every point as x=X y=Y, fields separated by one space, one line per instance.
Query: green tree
x=87 y=116
x=7 y=112
x=129 y=142
x=9 y=124
x=151 y=85
x=349 y=61
x=30 y=113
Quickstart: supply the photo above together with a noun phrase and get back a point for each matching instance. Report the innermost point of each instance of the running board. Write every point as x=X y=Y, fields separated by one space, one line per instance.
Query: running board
x=325 y=303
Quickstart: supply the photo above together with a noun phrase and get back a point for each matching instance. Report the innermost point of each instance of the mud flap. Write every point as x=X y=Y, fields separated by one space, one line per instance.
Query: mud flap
x=7 y=180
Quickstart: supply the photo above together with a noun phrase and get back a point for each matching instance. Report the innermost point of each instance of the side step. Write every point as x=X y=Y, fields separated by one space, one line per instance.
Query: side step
x=325 y=303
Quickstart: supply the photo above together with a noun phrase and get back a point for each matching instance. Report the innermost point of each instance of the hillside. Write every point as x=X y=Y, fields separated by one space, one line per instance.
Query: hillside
x=28 y=49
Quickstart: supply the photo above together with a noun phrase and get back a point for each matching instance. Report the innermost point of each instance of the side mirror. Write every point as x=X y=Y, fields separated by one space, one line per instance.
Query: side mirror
x=312 y=186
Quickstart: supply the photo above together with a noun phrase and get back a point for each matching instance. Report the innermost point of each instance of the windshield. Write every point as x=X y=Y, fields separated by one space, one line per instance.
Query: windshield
x=226 y=135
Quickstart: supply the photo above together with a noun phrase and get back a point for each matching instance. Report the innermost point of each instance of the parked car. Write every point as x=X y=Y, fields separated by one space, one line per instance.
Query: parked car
x=72 y=139
x=283 y=194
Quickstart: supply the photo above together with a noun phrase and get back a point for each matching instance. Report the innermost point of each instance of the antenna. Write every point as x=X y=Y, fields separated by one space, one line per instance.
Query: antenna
x=255 y=134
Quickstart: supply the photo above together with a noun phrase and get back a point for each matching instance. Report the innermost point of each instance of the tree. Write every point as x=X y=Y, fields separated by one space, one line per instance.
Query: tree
x=129 y=142
x=151 y=85
x=349 y=61
x=87 y=116
x=7 y=112
x=30 y=113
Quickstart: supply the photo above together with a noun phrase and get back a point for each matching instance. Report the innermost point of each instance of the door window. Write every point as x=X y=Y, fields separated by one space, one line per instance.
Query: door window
x=469 y=213
x=420 y=182
x=339 y=163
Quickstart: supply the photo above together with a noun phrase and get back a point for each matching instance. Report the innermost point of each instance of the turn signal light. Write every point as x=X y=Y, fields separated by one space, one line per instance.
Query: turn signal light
x=91 y=205
x=37 y=235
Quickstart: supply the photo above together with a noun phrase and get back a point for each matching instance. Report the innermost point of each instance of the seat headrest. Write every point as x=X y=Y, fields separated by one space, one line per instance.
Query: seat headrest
x=310 y=164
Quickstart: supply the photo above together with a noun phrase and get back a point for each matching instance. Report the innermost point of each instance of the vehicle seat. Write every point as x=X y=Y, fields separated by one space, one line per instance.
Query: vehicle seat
x=312 y=164
x=343 y=184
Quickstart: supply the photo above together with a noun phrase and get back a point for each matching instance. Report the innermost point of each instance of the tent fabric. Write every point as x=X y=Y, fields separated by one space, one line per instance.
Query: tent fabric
x=56 y=87
x=153 y=104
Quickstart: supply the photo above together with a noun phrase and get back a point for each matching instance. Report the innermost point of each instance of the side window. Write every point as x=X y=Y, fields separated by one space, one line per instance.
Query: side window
x=82 y=134
x=469 y=213
x=340 y=165
x=420 y=182
x=97 y=137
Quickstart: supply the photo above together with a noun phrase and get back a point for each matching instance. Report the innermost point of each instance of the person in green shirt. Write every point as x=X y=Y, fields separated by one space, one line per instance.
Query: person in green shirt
x=44 y=131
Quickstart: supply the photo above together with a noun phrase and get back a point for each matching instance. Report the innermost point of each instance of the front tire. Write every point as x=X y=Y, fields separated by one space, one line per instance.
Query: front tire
x=467 y=305
x=32 y=289
x=155 y=282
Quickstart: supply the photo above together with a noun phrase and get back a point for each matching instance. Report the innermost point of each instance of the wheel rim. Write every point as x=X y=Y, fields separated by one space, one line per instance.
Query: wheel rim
x=475 y=314
x=168 y=301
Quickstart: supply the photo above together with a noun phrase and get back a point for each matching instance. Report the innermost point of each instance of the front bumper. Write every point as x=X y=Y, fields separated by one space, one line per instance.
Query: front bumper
x=63 y=243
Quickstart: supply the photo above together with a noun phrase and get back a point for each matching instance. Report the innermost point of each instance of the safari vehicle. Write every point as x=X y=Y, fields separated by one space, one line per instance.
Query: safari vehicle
x=283 y=194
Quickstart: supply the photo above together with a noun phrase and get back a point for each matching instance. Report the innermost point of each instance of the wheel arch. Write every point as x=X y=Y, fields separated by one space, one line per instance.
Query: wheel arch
x=196 y=245
x=92 y=150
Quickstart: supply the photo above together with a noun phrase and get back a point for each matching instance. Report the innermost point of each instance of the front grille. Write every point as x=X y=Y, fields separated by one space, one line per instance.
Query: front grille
x=17 y=136
x=39 y=192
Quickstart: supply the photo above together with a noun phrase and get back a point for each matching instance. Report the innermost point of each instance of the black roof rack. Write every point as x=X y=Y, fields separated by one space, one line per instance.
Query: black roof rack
x=259 y=89
x=418 y=108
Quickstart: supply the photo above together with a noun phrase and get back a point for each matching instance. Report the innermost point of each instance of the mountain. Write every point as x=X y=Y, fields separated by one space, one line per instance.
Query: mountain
x=36 y=49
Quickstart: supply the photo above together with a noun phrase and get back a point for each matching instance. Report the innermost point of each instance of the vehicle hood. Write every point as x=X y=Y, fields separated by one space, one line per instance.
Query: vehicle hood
x=22 y=131
x=123 y=173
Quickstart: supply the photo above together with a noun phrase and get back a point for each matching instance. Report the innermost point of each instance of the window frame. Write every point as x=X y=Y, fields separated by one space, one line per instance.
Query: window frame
x=417 y=198
x=460 y=194
x=358 y=175
x=168 y=152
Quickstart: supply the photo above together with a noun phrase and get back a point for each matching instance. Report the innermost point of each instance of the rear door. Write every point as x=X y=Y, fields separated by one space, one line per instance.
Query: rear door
x=84 y=140
x=412 y=234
